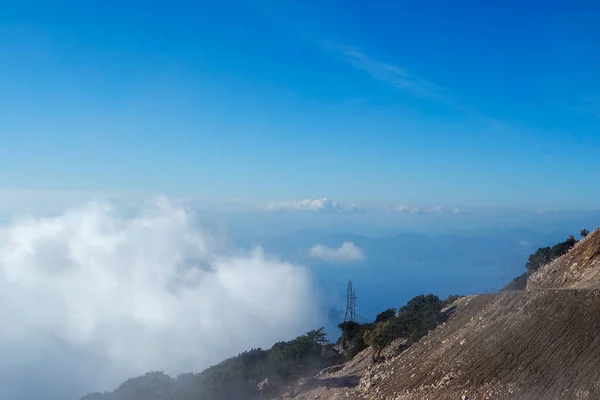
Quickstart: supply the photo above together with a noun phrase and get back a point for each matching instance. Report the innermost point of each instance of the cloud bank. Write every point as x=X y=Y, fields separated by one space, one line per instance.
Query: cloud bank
x=347 y=252
x=107 y=295
x=405 y=209
x=324 y=205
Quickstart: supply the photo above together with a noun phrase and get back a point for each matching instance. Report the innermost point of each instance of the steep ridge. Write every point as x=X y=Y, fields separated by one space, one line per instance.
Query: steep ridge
x=543 y=343
x=531 y=345
x=579 y=268
x=538 y=344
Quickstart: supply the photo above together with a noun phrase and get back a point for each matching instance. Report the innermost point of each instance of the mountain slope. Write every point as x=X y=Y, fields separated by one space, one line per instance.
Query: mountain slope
x=542 y=343
x=579 y=268
x=518 y=345
x=538 y=344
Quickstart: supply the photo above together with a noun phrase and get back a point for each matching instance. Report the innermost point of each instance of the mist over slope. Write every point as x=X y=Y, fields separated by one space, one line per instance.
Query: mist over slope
x=107 y=294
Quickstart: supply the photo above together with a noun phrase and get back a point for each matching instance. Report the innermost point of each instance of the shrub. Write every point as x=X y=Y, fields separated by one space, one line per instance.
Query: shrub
x=584 y=232
x=385 y=315
x=451 y=299
x=352 y=339
x=541 y=257
x=544 y=255
x=413 y=321
x=384 y=333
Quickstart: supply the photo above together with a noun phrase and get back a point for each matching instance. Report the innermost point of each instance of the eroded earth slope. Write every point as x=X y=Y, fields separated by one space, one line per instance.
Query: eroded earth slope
x=538 y=344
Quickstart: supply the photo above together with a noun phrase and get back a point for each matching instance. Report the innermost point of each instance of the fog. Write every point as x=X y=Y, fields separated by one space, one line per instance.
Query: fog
x=96 y=294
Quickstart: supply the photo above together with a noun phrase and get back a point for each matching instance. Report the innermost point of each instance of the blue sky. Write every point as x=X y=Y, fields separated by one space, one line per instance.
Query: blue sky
x=460 y=104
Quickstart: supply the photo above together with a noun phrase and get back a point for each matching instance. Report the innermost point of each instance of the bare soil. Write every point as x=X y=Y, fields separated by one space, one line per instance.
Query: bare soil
x=518 y=345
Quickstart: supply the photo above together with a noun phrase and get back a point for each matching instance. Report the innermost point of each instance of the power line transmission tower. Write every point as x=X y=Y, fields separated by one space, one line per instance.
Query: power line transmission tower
x=350 y=304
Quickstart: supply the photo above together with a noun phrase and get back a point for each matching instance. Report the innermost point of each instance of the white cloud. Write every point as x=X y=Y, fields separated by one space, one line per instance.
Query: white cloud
x=323 y=205
x=523 y=243
x=546 y=210
x=404 y=209
x=347 y=252
x=433 y=210
x=436 y=210
x=107 y=295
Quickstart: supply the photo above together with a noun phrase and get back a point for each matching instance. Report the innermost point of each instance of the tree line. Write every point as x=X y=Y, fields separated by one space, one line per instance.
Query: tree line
x=541 y=257
x=265 y=373
x=411 y=322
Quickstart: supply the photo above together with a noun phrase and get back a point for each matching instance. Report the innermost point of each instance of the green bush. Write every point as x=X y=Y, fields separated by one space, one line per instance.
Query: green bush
x=420 y=315
x=584 y=232
x=541 y=257
x=352 y=339
x=384 y=333
x=451 y=299
x=385 y=315
x=413 y=321
x=545 y=255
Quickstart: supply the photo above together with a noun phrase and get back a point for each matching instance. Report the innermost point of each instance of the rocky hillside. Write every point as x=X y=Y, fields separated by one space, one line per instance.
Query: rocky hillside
x=533 y=345
x=539 y=344
x=579 y=268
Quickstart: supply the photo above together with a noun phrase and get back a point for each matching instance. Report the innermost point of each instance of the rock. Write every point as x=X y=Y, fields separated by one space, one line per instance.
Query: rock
x=263 y=385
